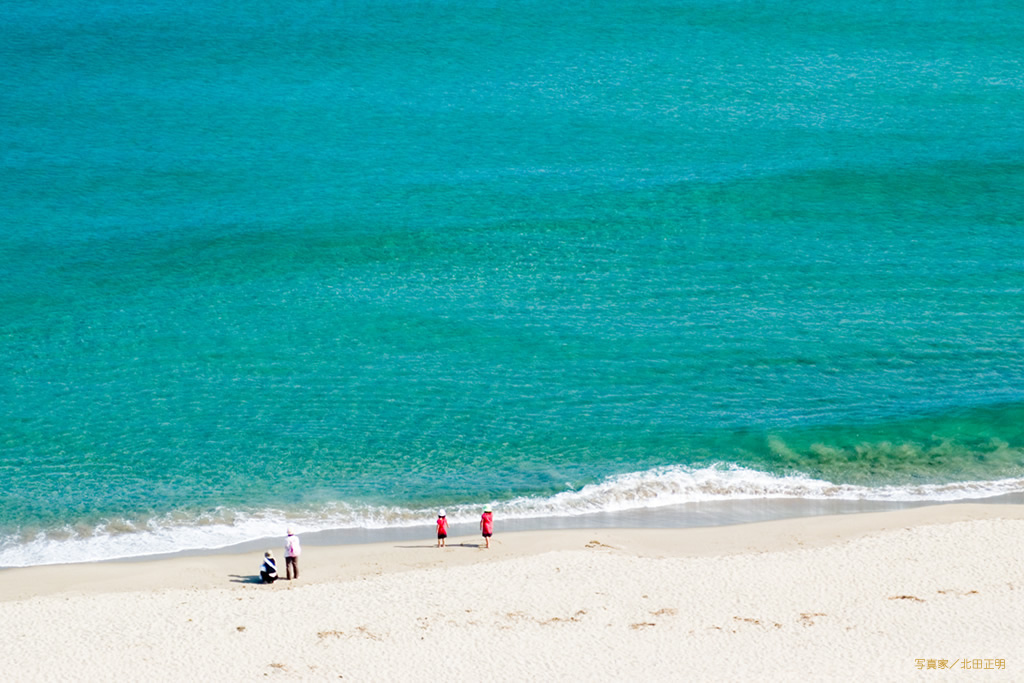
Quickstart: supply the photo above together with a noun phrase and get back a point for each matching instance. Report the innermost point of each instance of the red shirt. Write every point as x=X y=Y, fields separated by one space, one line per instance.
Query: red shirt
x=442 y=525
x=488 y=523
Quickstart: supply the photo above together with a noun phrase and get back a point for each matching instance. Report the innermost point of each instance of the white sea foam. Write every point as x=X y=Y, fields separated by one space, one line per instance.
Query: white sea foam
x=660 y=487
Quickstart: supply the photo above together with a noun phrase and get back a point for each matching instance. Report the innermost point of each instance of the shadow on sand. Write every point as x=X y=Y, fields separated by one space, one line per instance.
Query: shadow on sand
x=239 y=578
x=450 y=545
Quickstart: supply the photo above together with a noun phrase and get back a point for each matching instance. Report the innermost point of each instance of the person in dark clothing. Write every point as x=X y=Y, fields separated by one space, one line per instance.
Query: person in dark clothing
x=268 y=570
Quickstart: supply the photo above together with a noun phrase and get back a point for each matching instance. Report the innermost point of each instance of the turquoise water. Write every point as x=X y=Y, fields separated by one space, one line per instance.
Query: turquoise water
x=335 y=264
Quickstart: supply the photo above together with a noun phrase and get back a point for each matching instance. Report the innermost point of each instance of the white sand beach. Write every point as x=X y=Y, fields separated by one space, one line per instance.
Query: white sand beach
x=891 y=596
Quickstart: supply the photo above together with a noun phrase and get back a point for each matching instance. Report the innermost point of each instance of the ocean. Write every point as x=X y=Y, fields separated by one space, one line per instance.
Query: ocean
x=337 y=264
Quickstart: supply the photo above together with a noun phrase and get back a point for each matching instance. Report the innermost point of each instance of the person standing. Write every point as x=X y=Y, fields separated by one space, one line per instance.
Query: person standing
x=268 y=570
x=442 y=528
x=487 y=525
x=292 y=550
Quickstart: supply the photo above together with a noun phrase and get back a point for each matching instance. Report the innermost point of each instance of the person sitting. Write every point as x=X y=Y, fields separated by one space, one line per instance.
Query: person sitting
x=268 y=570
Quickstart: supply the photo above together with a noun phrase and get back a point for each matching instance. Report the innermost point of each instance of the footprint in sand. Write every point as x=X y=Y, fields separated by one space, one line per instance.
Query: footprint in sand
x=329 y=634
x=757 y=622
x=807 y=618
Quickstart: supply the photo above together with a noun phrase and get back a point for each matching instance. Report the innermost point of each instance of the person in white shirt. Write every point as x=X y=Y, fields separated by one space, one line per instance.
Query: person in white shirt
x=292 y=550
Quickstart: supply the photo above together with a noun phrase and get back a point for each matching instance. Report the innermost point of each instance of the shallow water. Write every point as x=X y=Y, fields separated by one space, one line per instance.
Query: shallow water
x=336 y=265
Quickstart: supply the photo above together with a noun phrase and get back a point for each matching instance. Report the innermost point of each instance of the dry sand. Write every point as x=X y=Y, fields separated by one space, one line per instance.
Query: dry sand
x=880 y=596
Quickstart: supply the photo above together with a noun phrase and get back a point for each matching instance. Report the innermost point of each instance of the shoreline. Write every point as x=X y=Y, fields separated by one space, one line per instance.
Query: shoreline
x=342 y=561
x=876 y=596
x=699 y=514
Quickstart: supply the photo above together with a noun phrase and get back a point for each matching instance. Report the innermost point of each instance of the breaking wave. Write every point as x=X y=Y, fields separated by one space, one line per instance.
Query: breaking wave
x=659 y=487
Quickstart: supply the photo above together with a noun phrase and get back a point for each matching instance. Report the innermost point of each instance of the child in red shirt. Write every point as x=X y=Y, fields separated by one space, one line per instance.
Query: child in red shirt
x=487 y=525
x=442 y=529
